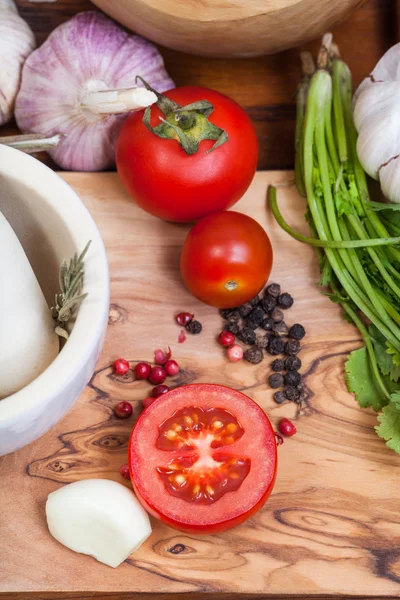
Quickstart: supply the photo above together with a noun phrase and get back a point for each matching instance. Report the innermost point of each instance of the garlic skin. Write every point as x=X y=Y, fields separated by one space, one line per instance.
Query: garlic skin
x=16 y=43
x=377 y=120
x=67 y=83
x=98 y=517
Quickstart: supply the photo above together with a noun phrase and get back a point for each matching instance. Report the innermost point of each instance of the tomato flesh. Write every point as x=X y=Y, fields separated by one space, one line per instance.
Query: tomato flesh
x=201 y=475
x=203 y=458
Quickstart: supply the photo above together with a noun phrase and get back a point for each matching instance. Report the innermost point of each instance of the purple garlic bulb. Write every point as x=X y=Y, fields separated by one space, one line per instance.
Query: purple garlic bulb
x=81 y=84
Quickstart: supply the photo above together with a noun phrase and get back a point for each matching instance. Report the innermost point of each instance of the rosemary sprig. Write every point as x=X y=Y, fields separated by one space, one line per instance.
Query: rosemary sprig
x=71 y=279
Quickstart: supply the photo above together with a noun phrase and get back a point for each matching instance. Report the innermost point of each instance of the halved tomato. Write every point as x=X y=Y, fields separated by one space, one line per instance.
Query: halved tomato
x=203 y=458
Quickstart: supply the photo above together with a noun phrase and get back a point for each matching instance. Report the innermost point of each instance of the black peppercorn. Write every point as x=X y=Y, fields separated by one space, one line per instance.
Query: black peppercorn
x=247 y=335
x=245 y=309
x=291 y=393
x=277 y=315
x=292 y=378
x=268 y=303
x=292 y=347
x=262 y=341
x=285 y=300
x=302 y=392
x=274 y=289
x=292 y=363
x=276 y=346
x=233 y=316
x=279 y=397
x=257 y=315
x=224 y=312
x=267 y=324
x=250 y=324
x=297 y=331
x=280 y=329
x=194 y=326
x=278 y=364
x=254 y=355
x=275 y=380
x=232 y=328
x=255 y=301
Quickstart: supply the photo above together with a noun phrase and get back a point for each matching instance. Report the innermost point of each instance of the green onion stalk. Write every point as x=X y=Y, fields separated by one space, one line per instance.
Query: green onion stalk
x=358 y=244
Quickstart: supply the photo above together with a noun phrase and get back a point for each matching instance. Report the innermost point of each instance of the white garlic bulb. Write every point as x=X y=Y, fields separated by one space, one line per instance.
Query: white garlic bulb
x=16 y=43
x=377 y=119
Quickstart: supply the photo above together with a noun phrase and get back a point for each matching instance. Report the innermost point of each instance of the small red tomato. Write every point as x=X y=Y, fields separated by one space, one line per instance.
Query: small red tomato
x=203 y=458
x=184 y=185
x=226 y=339
x=124 y=471
x=147 y=401
x=226 y=259
x=171 y=368
x=159 y=390
x=157 y=375
x=121 y=366
x=123 y=410
x=142 y=370
x=286 y=427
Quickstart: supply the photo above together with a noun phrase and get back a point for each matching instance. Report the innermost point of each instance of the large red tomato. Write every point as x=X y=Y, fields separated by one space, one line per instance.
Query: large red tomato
x=203 y=458
x=226 y=259
x=167 y=182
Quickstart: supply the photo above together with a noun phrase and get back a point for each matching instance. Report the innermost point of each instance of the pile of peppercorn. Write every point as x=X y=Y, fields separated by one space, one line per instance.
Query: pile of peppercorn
x=265 y=314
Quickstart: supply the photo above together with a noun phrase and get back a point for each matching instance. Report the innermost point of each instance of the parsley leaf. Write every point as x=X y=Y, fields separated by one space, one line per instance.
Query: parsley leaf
x=389 y=424
x=384 y=359
x=390 y=349
x=361 y=381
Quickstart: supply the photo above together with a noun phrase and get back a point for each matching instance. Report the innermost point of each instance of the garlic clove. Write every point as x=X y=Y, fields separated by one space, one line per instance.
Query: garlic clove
x=389 y=177
x=98 y=517
x=375 y=114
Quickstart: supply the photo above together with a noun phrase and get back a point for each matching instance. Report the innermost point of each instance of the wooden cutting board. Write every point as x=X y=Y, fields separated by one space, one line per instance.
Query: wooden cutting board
x=331 y=528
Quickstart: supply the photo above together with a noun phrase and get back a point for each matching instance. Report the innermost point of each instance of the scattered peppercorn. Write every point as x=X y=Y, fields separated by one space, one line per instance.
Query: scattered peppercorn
x=233 y=316
x=254 y=355
x=232 y=328
x=280 y=329
x=292 y=378
x=124 y=471
x=302 y=392
x=274 y=289
x=247 y=335
x=262 y=341
x=226 y=339
x=276 y=346
x=251 y=324
x=184 y=318
x=224 y=312
x=257 y=316
x=267 y=324
x=277 y=315
x=285 y=301
x=278 y=365
x=121 y=366
x=292 y=347
x=123 y=410
x=297 y=331
x=279 y=439
x=268 y=303
x=255 y=301
x=279 y=397
x=287 y=428
x=292 y=363
x=275 y=380
x=194 y=327
x=291 y=393
x=245 y=309
x=159 y=390
x=235 y=353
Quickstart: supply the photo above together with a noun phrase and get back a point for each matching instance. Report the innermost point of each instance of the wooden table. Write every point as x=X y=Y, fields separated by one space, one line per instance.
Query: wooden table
x=331 y=528
x=264 y=86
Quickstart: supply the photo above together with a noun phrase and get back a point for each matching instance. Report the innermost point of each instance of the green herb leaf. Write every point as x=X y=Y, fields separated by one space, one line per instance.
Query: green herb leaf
x=377 y=206
x=395 y=353
x=389 y=424
x=383 y=358
x=337 y=298
x=360 y=380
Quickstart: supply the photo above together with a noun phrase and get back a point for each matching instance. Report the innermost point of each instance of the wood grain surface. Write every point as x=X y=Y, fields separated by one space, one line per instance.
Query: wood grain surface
x=265 y=86
x=331 y=528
